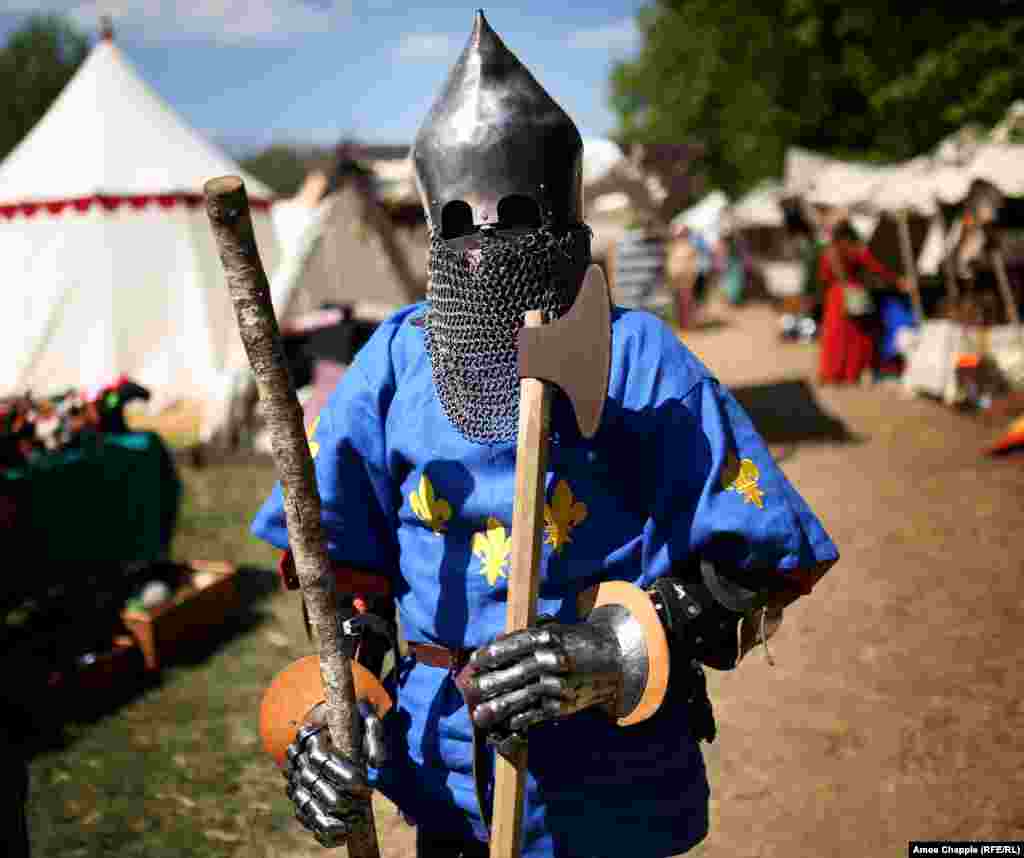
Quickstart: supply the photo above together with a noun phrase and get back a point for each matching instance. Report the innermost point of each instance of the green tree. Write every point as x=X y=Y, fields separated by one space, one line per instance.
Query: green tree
x=875 y=80
x=36 y=63
x=280 y=166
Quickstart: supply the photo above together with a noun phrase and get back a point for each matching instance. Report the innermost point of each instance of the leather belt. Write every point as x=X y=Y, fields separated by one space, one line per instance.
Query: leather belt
x=452 y=660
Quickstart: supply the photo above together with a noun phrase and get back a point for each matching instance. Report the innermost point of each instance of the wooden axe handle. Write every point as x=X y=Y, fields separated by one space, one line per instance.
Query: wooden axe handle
x=227 y=207
x=523 y=584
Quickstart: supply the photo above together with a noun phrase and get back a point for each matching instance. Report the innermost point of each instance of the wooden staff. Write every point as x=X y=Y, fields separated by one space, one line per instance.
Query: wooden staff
x=227 y=207
x=908 y=264
x=523 y=585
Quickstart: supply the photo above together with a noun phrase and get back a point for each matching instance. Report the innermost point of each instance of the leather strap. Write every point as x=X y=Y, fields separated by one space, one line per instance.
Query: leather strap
x=483 y=775
x=439 y=656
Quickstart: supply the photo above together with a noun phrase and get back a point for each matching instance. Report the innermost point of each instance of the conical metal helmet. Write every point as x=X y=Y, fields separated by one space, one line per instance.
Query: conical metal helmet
x=495 y=148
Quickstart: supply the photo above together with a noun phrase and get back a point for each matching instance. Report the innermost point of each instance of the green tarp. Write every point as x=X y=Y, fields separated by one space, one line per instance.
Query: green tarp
x=114 y=499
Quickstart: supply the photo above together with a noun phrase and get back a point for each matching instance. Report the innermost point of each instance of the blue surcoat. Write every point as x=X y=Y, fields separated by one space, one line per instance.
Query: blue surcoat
x=676 y=470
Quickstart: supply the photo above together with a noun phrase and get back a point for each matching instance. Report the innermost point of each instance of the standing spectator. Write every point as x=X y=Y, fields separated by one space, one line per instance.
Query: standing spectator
x=735 y=266
x=682 y=267
x=850 y=323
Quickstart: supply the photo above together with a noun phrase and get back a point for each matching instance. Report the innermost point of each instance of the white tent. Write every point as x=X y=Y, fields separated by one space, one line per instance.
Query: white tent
x=759 y=209
x=917 y=185
x=338 y=248
x=109 y=263
x=705 y=218
x=342 y=249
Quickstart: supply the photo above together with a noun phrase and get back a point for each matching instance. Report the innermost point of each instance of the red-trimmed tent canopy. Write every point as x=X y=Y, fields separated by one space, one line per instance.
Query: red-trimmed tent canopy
x=109 y=265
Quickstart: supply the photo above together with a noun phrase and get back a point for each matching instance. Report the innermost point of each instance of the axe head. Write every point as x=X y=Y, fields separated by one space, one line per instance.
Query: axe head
x=575 y=351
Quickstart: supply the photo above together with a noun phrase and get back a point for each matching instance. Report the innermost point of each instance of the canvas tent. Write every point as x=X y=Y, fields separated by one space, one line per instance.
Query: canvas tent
x=918 y=185
x=109 y=262
x=340 y=248
x=705 y=218
x=761 y=208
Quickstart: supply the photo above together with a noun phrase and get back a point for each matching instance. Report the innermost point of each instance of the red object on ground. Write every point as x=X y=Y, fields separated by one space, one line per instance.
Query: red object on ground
x=1013 y=439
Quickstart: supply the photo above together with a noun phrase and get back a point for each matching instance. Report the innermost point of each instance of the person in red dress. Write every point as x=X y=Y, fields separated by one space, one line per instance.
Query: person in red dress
x=847 y=340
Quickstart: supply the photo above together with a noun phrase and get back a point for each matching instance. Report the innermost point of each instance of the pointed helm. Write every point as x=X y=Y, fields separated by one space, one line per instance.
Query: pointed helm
x=495 y=147
x=499 y=168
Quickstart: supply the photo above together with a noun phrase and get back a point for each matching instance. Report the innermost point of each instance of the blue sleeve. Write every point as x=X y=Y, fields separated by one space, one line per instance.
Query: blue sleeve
x=349 y=455
x=719 y=495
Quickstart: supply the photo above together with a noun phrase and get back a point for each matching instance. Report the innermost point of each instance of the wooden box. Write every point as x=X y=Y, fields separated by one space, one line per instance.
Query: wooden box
x=101 y=681
x=198 y=608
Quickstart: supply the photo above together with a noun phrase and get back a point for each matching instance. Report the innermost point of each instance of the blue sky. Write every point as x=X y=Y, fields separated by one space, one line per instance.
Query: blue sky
x=248 y=72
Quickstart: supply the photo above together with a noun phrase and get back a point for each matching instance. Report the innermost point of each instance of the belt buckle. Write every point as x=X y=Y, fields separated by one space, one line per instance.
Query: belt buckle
x=457 y=659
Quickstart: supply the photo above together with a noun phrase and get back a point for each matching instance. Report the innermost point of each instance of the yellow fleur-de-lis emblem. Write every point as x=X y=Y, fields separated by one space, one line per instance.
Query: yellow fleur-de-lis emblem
x=314 y=446
x=561 y=516
x=430 y=509
x=493 y=546
x=741 y=476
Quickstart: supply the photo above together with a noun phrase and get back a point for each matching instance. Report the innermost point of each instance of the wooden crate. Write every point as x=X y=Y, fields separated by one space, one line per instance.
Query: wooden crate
x=103 y=680
x=188 y=618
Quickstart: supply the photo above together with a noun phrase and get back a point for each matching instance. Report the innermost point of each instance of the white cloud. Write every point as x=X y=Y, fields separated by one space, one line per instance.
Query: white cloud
x=617 y=37
x=426 y=46
x=224 y=21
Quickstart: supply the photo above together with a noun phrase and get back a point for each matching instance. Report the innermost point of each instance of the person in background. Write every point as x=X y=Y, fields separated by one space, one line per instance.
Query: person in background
x=849 y=322
x=681 y=267
x=735 y=266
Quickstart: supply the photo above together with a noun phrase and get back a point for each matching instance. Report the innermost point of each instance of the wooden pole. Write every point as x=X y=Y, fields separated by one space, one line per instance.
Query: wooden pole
x=908 y=265
x=948 y=266
x=999 y=267
x=523 y=584
x=227 y=207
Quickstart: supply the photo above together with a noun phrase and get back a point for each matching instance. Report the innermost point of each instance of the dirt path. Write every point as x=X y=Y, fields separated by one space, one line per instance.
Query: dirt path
x=894 y=711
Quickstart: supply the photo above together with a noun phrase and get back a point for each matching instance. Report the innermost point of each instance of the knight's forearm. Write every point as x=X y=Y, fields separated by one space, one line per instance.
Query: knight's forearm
x=701 y=607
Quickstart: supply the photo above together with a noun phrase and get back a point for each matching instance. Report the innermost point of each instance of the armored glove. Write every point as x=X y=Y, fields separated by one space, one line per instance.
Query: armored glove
x=552 y=670
x=325 y=786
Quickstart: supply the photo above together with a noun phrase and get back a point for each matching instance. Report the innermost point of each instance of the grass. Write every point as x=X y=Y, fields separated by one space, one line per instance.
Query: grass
x=178 y=771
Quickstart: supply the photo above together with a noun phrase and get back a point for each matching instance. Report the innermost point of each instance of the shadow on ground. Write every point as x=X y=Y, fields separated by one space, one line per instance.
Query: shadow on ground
x=787 y=412
x=39 y=717
x=708 y=323
x=253 y=585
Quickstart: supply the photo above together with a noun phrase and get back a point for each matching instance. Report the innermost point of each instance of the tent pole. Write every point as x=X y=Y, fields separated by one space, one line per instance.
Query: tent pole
x=948 y=272
x=999 y=267
x=908 y=264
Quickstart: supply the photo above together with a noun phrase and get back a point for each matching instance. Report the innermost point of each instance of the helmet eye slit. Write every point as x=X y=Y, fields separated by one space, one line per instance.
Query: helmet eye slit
x=457 y=219
x=517 y=211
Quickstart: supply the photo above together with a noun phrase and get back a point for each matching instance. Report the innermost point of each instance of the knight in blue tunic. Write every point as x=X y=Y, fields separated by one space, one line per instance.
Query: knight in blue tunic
x=414 y=452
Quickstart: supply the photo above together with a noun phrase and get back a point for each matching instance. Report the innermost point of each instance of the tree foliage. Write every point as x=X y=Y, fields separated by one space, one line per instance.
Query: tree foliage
x=280 y=166
x=36 y=63
x=854 y=78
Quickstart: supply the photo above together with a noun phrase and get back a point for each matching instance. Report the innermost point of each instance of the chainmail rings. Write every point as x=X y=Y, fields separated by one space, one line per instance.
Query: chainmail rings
x=477 y=298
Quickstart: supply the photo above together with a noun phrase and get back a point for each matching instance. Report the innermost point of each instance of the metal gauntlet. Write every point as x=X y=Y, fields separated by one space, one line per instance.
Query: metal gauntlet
x=326 y=788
